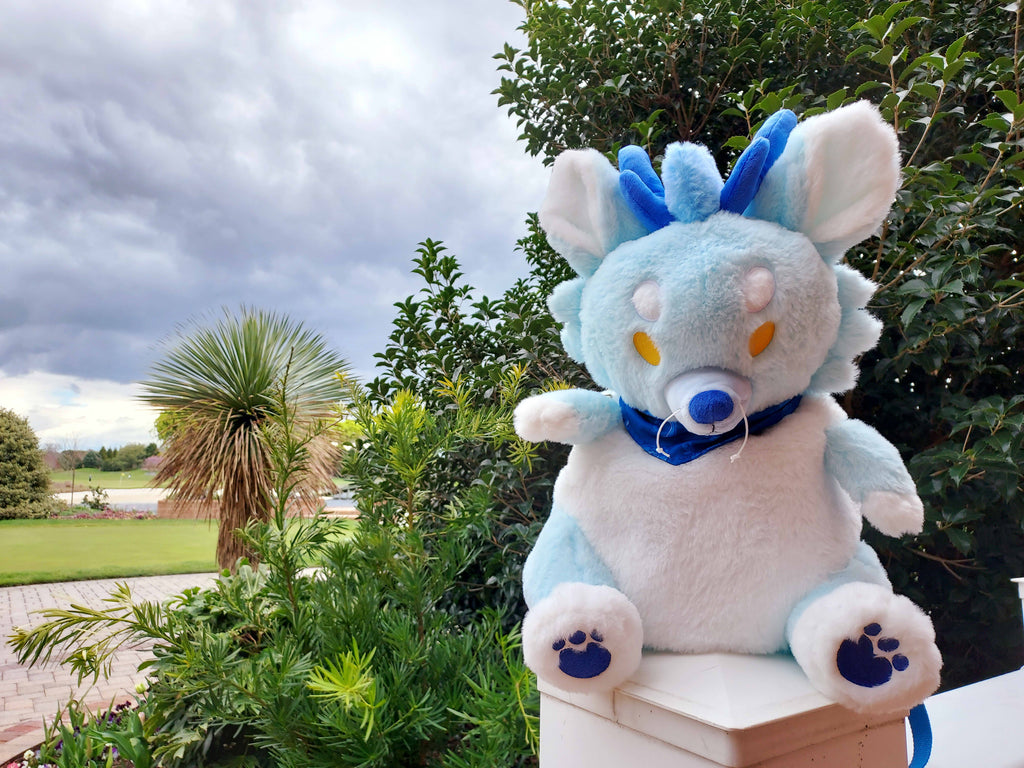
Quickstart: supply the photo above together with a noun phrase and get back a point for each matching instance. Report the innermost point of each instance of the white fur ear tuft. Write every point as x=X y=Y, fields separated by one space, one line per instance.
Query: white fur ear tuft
x=584 y=214
x=852 y=167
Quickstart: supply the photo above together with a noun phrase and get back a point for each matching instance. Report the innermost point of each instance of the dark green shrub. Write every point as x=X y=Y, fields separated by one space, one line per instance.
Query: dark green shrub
x=352 y=664
x=942 y=384
x=944 y=381
x=24 y=477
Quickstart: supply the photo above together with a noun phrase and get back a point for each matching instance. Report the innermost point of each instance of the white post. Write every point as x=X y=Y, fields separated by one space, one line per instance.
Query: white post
x=707 y=711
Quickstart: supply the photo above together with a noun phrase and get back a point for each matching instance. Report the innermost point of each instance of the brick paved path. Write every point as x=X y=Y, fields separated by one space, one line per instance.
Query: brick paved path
x=30 y=694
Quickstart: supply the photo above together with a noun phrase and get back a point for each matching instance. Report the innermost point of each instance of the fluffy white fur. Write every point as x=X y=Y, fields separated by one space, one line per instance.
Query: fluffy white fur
x=894 y=514
x=715 y=553
x=539 y=418
x=574 y=606
x=843 y=614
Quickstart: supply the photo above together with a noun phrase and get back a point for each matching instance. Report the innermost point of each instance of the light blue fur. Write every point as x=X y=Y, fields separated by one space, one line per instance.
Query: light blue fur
x=596 y=414
x=783 y=194
x=864 y=567
x=693 y=185
x=564 y=304
x=703 y=323
x=562 y=554
x=858 y=332
x=863 y=461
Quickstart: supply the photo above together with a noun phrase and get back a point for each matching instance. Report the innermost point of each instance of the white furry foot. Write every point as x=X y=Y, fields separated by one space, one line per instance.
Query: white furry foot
x=583 y=638
x=870 y=650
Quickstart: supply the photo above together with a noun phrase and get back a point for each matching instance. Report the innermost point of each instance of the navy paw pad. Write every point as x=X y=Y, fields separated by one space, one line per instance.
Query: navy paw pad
x=582 y=661
x=859 y=663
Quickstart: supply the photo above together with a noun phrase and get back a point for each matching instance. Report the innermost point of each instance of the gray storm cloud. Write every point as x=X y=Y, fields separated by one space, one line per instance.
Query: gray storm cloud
x=159 y=160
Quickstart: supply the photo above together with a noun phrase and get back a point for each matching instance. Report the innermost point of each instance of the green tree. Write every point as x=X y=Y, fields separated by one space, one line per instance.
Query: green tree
x=599 y=73
x=943 y=383
x=167 y=421
x=130 y=456
x=24 y=477
x=219 y=379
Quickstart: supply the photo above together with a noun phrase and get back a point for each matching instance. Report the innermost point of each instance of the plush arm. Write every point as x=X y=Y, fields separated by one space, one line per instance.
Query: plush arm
x=567 y=416
x=870 y=469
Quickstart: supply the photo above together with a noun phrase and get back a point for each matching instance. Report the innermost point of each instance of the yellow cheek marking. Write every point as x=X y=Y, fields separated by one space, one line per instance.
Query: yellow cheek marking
x=646 y=347
x=761 y=338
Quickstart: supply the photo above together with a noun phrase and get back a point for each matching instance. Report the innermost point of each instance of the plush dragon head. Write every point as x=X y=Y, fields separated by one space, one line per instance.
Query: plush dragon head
x=706 y=302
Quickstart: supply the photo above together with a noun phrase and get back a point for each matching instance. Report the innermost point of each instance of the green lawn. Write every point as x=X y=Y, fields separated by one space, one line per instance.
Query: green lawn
x=37 y=551
x=136 y=478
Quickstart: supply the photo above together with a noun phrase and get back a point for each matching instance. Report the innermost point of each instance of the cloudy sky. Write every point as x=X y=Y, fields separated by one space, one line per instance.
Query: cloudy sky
x=161 y=160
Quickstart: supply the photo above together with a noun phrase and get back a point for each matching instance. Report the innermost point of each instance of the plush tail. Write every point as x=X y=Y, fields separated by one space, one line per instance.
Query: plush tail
x=921 y=731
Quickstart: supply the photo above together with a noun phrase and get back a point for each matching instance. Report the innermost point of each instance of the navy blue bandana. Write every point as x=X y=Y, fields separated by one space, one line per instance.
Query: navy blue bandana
x=683 y=446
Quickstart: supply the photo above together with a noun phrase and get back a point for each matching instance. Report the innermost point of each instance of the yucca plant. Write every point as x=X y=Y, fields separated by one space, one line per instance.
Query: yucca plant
x=221 y=381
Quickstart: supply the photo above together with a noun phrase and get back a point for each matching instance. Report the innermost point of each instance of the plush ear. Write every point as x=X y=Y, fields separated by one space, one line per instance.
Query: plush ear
x=584 y=214
x=836 y=179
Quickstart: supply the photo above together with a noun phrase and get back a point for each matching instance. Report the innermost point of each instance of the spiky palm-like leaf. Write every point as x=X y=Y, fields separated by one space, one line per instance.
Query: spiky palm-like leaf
x=224 y=380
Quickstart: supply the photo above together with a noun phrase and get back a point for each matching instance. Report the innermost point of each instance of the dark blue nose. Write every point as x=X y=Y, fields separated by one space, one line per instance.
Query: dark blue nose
x=711 y=406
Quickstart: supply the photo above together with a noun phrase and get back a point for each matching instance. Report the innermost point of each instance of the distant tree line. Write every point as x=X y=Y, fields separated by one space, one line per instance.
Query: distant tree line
x=123 y=459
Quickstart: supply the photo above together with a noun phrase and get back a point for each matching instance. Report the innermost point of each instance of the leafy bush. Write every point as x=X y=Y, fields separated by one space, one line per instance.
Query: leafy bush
x=338 y=649
x=96 y=499
x=48 y=507
x=944 y=380
x=352 y=664
x=941 y=384
x=78 y=739
x=467 y=361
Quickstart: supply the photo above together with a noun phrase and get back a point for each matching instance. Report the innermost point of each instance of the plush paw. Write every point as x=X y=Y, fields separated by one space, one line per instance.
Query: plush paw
x=894 y=514
x=544 y=418
x=582 y=662
x=860 y=663
x=569 y=657
x=868 y=649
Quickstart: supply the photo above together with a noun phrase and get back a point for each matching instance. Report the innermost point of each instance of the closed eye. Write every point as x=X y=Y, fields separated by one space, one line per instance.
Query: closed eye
x=647 y=300
x=758 y=287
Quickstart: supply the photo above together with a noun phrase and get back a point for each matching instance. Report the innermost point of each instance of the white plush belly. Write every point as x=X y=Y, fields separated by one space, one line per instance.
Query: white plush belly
x=714 y=553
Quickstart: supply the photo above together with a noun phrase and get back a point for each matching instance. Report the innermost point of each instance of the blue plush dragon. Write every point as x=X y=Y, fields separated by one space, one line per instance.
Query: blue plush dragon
x=714 y=496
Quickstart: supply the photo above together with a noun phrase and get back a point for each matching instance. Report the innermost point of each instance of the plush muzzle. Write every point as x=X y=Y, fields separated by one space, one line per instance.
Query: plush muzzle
x=708 y=400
